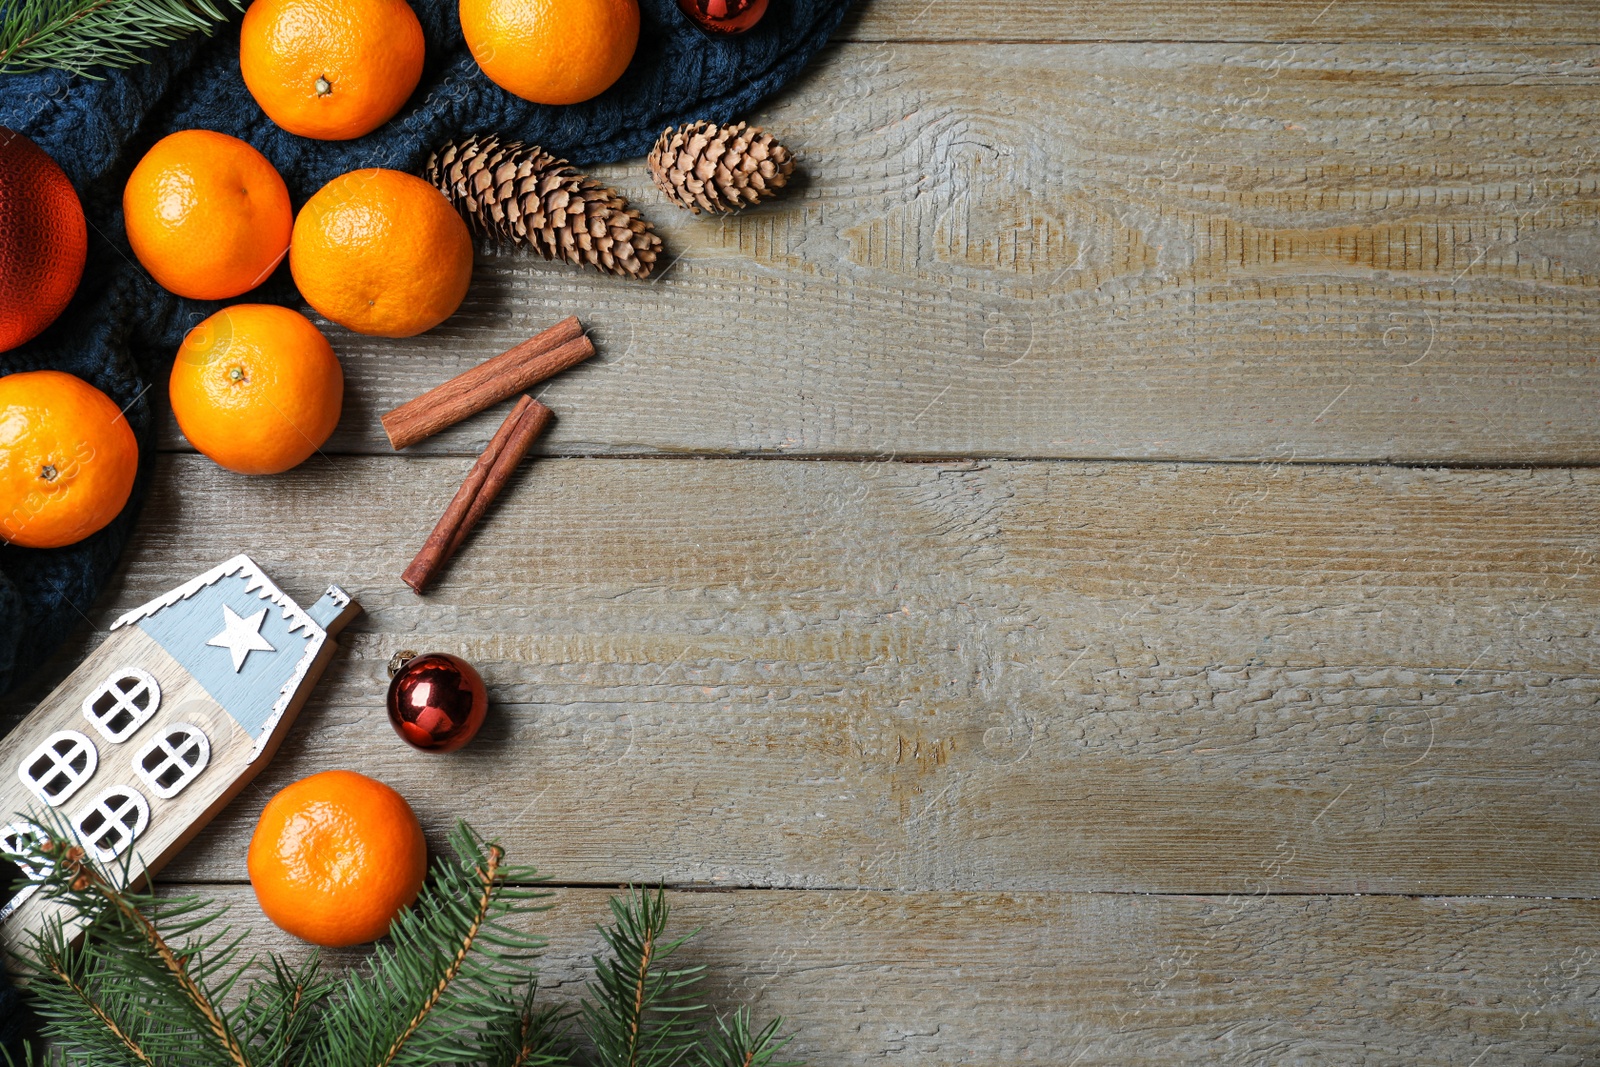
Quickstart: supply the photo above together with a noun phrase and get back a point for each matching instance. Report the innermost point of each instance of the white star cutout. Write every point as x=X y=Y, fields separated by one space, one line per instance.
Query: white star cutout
x=241 y=636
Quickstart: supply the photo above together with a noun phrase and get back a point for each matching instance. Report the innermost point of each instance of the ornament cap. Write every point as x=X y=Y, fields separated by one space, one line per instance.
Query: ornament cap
x=399 y=660
x=723 y=18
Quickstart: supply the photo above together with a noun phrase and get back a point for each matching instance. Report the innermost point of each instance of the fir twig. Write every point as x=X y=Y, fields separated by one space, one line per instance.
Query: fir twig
x=280 y=1009
x=537 y=1040
x=75 y=865
x=488 y=874
x=453 y=985
x=642 y=1013
x=733 y=1044
x=176 y=965
x=78 y=35
x=149 y=966
x=454 y=978
x=100 y=1013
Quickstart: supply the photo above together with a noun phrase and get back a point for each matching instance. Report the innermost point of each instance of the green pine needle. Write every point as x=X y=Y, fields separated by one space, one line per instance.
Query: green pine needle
x=643 y=1012
x=80 y=35
x=733 y=1044
x=454 y=975
x=160 y=982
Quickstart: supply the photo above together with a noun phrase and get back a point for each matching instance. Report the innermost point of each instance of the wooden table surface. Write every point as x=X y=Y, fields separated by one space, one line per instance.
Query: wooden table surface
x=1104 y=573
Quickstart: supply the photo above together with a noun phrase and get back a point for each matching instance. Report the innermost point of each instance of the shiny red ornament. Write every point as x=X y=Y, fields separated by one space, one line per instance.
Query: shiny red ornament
x=437 y=701
x=43 y=240
x=724 y=16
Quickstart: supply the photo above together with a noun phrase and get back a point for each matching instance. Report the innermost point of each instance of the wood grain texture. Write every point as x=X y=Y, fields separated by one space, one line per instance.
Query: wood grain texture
x=980 y=709
x=1124 y=981
x=1163 y=251
x=1489 y=21
x=961 y=676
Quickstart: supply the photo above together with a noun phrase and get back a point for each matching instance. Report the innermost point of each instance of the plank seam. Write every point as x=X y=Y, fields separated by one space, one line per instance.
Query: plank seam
x=693 y=887
x=962 y=457
x=1045 y=42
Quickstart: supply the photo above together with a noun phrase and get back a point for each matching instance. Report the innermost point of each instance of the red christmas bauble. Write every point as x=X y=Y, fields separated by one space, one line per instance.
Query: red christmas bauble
x=44 y=239
x=724 y=16
x=437 y=701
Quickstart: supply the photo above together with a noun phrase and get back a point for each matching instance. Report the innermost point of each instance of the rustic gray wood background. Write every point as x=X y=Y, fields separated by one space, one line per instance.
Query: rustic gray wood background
x=1105 y=573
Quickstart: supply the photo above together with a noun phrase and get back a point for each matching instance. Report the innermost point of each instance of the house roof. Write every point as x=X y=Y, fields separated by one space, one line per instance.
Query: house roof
x=254 y=688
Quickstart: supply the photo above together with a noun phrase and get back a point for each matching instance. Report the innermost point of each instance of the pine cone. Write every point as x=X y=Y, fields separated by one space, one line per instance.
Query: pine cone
x=523 y=194
x=706 y=167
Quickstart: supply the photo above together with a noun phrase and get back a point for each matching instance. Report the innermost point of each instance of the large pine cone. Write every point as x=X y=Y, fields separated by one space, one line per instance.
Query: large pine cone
x=706 y=167
x=523 y=194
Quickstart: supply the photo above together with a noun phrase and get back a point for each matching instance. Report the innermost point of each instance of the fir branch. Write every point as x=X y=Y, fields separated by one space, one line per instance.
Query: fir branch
x=487 y=875
x=75 y=866
x=451 y=984
x=149 y=963
x=536 y=1040
x=81 y=991
x=280 y=1009
x=733 y=1044
x=97 y=1011
x=642 y=1012
x=77 y=35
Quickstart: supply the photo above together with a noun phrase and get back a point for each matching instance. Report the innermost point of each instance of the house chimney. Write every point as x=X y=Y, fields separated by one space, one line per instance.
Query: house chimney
x=333 y=610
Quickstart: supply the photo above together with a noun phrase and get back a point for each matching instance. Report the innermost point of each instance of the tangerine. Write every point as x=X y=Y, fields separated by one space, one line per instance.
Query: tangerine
x=44 y=239
x=207 y=215
x=67 y=459
x=552 y=51
x=335 y=857
x=381 y=252
x=330 y=69
x=257 y=388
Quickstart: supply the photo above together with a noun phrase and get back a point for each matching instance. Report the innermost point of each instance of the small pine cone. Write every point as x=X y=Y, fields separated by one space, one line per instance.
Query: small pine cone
x=523 y=194
x=705 y=167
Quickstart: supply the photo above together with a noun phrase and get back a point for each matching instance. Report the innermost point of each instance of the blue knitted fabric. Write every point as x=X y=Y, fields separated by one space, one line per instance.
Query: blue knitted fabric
x=122 y=329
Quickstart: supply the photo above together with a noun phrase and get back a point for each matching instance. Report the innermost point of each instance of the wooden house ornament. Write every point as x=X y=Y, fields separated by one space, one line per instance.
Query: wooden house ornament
x=161 y=726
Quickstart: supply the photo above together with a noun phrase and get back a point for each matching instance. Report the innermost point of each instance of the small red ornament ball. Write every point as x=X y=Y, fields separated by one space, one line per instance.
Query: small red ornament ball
x=724 y=16
x=437 y=701
x=44 y=239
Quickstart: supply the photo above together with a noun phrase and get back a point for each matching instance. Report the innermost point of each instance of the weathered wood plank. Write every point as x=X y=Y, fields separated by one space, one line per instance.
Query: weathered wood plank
x=1007 y=676
x=1125 y=981
x=1163 y=251
x=1396 y=21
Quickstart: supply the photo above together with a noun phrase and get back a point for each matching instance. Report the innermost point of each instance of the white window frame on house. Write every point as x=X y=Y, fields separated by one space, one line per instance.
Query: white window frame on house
x=124 y=701
x=60 y=763
x=11 y=849
x=190 y=754
x=112 y=815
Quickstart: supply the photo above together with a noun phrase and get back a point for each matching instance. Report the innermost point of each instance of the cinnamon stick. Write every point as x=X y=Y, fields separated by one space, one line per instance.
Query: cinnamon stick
x=483 y=483
x=535 y=417
x=539 y=357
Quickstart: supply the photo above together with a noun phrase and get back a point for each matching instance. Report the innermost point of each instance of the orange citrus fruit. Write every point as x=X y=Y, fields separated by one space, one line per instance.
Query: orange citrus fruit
x=257 y=388
x=67 y=459
x=44 y=239
x=336 y=857
x=207 y=215
x=552 y=51
x=381 y=252
x=330 y=69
